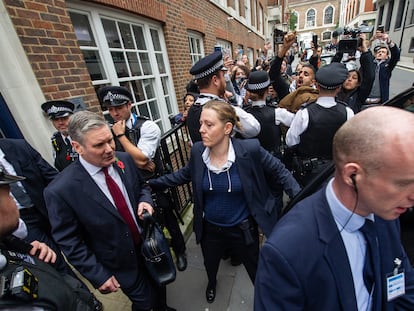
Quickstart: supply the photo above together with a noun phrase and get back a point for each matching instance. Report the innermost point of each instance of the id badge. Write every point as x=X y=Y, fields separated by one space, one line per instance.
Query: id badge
x=396 y=282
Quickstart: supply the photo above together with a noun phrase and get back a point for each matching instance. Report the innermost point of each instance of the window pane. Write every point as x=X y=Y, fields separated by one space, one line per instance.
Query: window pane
x=111 y=33
x=133 y=64
x=149 y=88
x=326 y=36
x=160 y=126
x=145 y=62
x=83 y=30
x=160 y=63
x=310 y=18
x=154 y=110
x=168 y=102
x=143 y=110
x=138 y=90
x=126 y=36
x=328 y=15
x=120 y=64
x=139 y=38
x=164 y=85
x=155 y=40
x=94 y=65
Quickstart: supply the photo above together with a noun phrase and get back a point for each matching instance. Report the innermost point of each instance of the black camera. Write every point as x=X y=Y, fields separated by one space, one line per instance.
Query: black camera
x=351 y=43
x=23 y=285
x=352 y=32
x=278 y=36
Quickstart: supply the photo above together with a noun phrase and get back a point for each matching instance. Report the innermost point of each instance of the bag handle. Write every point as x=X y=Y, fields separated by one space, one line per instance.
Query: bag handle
x=149 y=223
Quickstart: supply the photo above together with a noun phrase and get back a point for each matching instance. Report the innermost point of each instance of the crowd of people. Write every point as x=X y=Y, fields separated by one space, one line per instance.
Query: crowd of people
x=258 y=134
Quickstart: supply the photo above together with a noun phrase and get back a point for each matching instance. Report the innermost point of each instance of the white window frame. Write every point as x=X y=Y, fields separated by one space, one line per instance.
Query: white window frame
x=226 y=46
x=325 y=32
x=95 y=13
x=247 y=12
x=195 y=55
x=250 y=56
x=306 y=19
x=260 y=21
x=333 y=14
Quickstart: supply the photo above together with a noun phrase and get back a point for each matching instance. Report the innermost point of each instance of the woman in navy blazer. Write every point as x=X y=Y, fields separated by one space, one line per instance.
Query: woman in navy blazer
x=232 y=183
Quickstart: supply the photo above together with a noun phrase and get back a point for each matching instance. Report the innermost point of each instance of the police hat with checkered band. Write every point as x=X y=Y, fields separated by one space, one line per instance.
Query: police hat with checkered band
x=58 y=108
x=208 y=65
x=331 y=76
x=112 y=96
x=257 y=81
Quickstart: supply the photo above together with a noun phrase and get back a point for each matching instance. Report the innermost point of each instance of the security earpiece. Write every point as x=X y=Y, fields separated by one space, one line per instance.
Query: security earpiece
x=354 y=182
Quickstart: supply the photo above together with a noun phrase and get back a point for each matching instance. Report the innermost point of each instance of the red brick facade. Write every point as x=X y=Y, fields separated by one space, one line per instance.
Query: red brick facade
x=47 y=36
x=302 y=6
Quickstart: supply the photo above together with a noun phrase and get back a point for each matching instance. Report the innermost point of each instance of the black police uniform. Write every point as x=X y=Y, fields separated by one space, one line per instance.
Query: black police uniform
x=28 y=282
x=314 y=151
x=205 y=67
x=270 y=133
x=64 y=153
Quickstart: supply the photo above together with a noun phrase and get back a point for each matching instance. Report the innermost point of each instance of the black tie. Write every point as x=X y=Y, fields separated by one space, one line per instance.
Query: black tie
x=372 y=274
x=19 y=194
x=67 y=141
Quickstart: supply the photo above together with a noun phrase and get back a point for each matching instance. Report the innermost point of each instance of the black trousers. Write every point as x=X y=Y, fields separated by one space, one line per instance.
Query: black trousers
x=145 y=294
x=166 y=217
x=217 y=241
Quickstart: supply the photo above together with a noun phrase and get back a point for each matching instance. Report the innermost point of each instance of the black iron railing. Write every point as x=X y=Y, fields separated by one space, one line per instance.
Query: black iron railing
x=175 y=153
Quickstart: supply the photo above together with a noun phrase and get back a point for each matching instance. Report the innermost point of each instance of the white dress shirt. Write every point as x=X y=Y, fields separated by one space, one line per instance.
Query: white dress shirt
x=301 y=120
x=99 y=178
x=348 y=224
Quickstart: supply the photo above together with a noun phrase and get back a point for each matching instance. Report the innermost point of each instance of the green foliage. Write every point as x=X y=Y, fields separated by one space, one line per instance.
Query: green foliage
x=293 y=19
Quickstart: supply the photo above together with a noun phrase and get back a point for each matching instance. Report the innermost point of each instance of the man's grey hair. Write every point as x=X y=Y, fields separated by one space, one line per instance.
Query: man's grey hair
x=82 y=122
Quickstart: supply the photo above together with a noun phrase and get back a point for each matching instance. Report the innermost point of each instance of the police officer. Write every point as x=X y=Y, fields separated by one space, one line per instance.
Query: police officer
x=269 y=136
x=314 y=125
x=38 y=285
x=140 y=137
x=59 y=112
x=270 y=133
x=209 y=72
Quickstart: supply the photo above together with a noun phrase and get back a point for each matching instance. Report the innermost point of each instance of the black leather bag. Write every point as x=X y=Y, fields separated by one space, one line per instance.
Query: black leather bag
x=156 y=252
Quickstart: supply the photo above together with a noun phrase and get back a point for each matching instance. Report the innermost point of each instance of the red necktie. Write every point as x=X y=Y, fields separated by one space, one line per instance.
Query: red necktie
x=121 y=205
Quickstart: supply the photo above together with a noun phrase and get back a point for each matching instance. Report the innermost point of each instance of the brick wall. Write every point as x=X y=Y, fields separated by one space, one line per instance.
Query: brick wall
x=47 y=35
x=302 y=7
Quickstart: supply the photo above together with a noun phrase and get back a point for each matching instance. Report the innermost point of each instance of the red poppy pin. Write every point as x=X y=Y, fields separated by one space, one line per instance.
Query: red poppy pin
x=120 y=164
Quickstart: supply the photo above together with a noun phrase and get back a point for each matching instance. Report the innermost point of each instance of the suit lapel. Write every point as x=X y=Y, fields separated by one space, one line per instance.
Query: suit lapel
x=92 y=191
x=336 y=257
x=244 y=167
x=129 y=185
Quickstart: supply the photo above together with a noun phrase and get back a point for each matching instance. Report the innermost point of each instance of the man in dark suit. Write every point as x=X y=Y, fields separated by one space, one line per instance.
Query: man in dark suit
x=99 y=234
x=18 y=157
x=319 y=256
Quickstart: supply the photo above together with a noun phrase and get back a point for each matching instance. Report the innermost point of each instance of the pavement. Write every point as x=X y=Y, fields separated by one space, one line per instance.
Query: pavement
x=187 y=293
x=406 y=62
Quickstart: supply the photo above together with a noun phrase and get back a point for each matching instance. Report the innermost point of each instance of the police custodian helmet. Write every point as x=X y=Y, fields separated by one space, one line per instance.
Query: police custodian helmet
x=112 y=96
x=58 y=108
x=208 y=65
